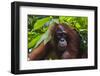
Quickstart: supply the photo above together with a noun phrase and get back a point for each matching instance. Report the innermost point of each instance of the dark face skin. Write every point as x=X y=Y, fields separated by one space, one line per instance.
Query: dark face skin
x=61 y=38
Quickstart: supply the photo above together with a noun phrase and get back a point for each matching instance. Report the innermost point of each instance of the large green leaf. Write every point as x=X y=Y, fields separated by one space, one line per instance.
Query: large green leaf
x=39 y=23
x=33 y=42
x=46 y=37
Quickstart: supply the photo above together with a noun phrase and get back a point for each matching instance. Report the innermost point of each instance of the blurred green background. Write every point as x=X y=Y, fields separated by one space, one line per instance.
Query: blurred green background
x=38 y=25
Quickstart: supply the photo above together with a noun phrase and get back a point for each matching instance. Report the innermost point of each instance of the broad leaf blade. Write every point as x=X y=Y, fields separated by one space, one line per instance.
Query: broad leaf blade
x=40 y=23
x=33 y=42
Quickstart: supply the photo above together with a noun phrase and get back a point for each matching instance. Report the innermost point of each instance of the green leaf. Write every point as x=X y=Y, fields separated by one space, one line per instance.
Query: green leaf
x=83 y=30
x=45 y=37
x=61 y=19
x=78 y=25
x=39 y=23
x=32 y=43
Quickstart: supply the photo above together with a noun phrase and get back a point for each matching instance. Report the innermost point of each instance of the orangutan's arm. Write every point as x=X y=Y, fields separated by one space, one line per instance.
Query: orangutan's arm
x=37 y=53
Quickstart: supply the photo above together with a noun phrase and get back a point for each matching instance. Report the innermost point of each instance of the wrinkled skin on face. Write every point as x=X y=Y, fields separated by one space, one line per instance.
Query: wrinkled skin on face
x=61 y=38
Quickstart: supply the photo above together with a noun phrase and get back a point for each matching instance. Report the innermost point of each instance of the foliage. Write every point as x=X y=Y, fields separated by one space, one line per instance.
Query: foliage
x=38 y=28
